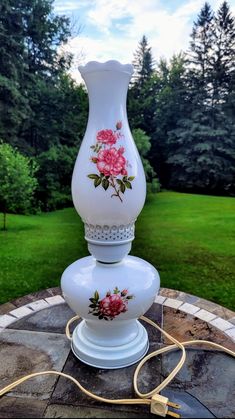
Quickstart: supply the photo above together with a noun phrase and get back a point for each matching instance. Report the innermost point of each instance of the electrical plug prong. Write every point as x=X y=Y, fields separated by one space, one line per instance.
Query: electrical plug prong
x=174 y=405
x=175 y=415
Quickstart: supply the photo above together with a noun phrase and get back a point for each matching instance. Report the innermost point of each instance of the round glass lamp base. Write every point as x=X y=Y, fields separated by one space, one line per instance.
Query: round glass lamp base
x=109 y=357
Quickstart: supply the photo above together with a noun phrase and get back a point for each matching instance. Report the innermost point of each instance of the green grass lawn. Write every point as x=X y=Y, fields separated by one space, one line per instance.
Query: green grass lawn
x=189 y=238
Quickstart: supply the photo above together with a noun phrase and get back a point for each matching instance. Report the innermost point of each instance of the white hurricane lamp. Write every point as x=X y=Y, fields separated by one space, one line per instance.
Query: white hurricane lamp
x=109 y=289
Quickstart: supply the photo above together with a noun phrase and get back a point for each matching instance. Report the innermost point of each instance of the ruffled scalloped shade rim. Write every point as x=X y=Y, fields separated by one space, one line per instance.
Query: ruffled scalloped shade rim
x=111 y=65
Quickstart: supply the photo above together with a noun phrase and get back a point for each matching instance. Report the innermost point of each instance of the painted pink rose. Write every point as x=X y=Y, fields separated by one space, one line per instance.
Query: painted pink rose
x=106 y=136
x=112 y=306
x=111 y=162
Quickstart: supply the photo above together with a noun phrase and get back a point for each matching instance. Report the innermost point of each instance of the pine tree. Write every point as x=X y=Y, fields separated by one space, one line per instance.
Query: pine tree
x=223 y=56
x=199 y=55
x=43 y=33
x=30 y=34
x=141 y=97
x=201 y=148
x=13 y=103
x=201 y=41
x=172 y=102
x=202 y=158
x=143 y=62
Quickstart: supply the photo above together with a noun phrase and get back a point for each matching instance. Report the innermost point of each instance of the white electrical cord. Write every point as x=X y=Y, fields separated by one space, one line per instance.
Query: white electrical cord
x=157 y=402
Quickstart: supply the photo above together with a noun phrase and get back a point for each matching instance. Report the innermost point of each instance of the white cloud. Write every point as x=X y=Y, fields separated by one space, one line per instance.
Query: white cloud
x=61 y=7
x=86 y=49
x=167 y=31
x=105 y=12
x=65 y=6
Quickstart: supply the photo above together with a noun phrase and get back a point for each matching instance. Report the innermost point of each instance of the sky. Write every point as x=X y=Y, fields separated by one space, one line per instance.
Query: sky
x=112 y=29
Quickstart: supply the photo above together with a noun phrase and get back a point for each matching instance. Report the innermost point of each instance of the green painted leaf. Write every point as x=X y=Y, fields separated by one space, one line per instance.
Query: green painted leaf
x=97 y=182
x=124 y=178
x=92 y=305
x=93 y=176
x=128 y=184
x=131 y=178
x=96 y=296
x=116 y=290
x=122 y=188
x=105 y=184
x=92 y=300
x=119 y=181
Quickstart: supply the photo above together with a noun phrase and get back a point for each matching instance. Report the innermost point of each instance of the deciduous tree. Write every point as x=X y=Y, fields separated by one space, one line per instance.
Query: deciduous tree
x=17 y=181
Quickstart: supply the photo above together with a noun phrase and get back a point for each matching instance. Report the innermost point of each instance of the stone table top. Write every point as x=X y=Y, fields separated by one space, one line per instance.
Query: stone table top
x=32 y=336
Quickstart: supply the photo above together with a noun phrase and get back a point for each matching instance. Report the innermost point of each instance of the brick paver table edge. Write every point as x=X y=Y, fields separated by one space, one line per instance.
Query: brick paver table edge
x=190 y=304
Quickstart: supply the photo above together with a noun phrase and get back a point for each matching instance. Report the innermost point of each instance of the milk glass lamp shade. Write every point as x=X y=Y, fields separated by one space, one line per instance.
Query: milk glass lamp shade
x=108 y=183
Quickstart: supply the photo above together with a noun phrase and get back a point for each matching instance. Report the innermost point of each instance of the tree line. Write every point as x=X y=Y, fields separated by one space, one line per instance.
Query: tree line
x=181 y=111
x=187 y=107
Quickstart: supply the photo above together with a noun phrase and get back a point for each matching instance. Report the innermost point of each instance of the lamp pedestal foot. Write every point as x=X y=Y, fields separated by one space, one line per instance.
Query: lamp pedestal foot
x=107 y=351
